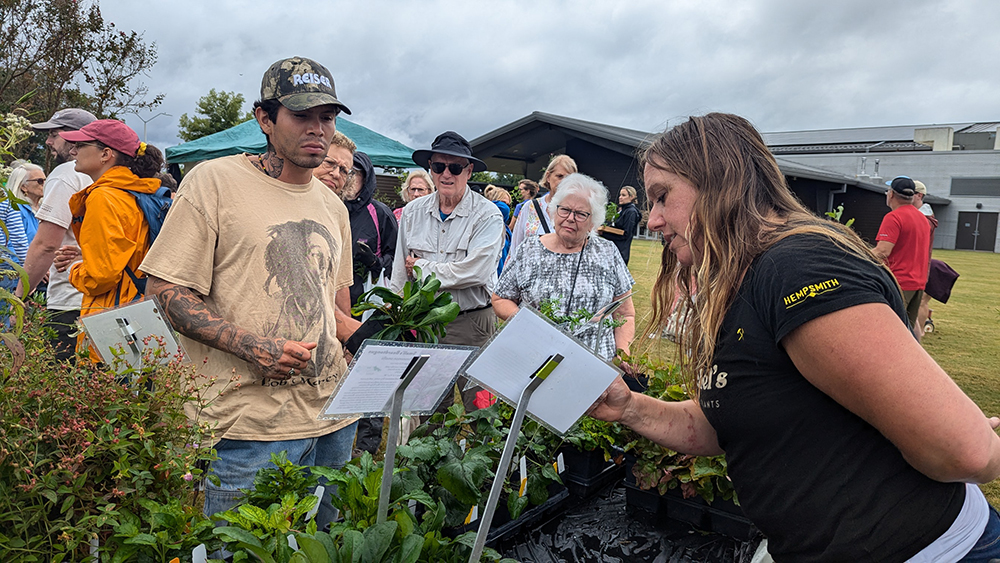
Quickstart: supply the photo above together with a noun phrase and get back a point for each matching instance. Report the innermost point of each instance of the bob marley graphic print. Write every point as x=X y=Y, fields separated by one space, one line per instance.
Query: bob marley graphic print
x=299 y=263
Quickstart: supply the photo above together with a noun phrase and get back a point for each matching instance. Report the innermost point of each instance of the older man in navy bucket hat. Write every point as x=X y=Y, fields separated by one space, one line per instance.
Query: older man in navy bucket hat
x=456 y=234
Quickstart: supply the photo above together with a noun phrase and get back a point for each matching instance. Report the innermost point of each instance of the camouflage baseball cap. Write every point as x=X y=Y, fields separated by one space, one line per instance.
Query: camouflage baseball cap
x=299 y=84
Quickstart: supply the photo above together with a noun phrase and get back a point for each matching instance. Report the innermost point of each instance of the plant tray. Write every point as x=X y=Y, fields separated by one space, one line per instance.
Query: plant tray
x=722 y=517
x=504 y=529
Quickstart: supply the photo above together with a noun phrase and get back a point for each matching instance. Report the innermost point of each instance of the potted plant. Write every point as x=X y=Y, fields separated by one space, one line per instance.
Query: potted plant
x=420 y=314
x=610 y=216
x=693 y=489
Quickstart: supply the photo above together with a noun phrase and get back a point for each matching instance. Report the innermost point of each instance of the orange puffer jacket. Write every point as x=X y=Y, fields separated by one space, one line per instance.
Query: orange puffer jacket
x=112 y=233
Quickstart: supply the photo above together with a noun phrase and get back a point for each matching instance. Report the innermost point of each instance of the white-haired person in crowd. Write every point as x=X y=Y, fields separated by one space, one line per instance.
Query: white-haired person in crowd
x=26 y=182
x=417 y=184
x=572 y=264
x=534 y=219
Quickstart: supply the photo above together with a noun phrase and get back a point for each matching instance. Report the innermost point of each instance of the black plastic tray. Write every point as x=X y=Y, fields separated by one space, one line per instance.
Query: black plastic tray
x=722 y=517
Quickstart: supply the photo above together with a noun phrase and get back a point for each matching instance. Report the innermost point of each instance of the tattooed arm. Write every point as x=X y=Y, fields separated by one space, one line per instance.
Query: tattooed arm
x=267 y=357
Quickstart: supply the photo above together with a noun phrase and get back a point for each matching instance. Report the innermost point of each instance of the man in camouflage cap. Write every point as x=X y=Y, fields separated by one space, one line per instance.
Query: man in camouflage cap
x=253 y=267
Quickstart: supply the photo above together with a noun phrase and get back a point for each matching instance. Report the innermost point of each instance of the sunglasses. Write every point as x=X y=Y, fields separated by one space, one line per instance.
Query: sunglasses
x=41 y=181
x=455 y=169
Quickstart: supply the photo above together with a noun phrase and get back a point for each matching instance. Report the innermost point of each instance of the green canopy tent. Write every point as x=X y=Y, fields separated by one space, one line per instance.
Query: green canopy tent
x=247 y=137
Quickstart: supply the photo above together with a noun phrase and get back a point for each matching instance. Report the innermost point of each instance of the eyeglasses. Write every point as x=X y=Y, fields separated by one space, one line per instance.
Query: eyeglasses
x=565 y=212
x=82 y=144
x=455 y=169
x=418 y=190
x=332 y=165
x=40 y=181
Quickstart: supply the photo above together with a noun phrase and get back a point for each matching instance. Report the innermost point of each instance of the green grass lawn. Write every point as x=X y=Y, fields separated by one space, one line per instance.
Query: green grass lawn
x=966 y=340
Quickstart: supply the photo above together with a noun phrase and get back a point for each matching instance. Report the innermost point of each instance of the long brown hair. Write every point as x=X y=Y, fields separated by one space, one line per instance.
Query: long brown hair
x=743 y=207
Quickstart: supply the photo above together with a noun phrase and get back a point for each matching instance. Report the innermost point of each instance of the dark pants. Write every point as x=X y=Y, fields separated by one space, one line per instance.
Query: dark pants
x=369 y=434
x=64 y=324
x=911 y=299
x=474 y=328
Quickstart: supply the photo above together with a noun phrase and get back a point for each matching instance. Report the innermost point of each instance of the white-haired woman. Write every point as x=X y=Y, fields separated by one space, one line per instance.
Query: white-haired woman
x=534 y=219
x=417 y=184
x=572 y=264
x=26 y=182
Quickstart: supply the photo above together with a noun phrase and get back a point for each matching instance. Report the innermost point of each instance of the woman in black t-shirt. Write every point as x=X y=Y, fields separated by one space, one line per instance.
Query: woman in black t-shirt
x=845 y=440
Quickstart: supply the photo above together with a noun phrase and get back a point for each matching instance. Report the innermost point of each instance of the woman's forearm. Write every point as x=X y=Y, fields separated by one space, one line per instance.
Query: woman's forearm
x=679 y=426
x=504 y=308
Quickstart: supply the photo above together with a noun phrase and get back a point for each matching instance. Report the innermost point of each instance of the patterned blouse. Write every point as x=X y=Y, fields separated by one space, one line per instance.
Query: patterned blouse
x=534 y=273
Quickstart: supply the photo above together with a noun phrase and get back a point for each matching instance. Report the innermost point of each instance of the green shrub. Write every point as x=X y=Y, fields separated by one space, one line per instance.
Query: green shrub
x=82 y=448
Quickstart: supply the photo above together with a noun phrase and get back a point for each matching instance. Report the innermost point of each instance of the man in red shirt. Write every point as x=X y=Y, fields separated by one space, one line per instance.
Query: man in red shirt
x=903 y=242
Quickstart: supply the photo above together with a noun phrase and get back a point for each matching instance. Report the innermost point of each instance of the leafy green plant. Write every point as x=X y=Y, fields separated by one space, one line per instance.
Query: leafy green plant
x=264 y=534
x=420 y=311
x=550 y=308
x=836 y=214
x=611 y=213
x=455 y=455
x=160 y=532
x=590 y=434
x=82 y=445
x=272 y=484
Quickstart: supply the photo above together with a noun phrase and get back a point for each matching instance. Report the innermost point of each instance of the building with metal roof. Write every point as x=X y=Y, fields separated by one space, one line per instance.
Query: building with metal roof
x=959 y=162
x=608 y=153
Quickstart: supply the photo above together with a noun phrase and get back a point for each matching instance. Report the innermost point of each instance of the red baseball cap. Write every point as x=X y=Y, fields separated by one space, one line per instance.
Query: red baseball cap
x=111 y=132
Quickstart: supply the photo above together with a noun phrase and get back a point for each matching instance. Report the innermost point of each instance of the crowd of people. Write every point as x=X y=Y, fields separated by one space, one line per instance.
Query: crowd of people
x=866 y=455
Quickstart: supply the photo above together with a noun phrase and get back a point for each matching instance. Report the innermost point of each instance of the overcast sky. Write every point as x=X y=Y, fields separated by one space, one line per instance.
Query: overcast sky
x=410 y=70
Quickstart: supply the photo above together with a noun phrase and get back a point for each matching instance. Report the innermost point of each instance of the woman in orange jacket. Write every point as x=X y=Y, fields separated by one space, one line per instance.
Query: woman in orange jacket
x=109 y=227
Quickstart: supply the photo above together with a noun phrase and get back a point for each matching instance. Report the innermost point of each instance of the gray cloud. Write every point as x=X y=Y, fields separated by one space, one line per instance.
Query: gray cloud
x=412 y=70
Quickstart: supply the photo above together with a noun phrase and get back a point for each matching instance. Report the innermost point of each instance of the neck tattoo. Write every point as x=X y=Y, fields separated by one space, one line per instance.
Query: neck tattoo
x=269 y=163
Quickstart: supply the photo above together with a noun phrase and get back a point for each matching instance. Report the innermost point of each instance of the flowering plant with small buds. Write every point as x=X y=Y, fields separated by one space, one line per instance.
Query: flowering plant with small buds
x=83 y=447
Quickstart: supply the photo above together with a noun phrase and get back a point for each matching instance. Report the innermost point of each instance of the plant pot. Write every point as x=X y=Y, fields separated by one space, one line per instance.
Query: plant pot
x=586 y=488
x=638 y=383
x=587 y=472
x=582 y=464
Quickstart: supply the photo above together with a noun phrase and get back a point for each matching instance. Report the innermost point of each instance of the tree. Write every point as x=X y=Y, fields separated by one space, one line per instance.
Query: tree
x=497 y=178
x=222 y=110
x=63 y=53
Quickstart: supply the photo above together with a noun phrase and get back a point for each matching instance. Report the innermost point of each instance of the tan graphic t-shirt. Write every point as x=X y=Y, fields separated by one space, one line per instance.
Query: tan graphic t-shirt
x=269 y=257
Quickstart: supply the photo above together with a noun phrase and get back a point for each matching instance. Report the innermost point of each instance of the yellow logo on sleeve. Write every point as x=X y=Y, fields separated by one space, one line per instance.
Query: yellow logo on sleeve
x=811 y=290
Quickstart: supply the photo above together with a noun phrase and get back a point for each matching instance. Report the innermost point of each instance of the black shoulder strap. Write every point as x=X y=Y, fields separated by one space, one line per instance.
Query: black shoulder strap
x=140 y=283
x=541 y=216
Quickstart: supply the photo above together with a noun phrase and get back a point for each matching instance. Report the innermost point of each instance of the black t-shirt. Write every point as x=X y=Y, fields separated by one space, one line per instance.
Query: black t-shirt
x=821 y=483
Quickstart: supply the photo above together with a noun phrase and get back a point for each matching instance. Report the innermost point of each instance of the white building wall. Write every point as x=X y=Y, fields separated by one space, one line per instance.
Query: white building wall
x=934 y=169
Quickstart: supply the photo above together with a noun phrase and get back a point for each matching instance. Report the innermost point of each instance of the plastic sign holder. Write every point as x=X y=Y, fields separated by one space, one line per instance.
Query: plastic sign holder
x=508 y=453
x=390 y=449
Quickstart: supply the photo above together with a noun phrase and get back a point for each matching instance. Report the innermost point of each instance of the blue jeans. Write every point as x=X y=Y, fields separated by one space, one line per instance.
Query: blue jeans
x=988 y=546
x=239 y=461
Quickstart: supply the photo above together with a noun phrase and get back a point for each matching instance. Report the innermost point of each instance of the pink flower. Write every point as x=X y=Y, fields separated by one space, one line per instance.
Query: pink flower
x=188 y=476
